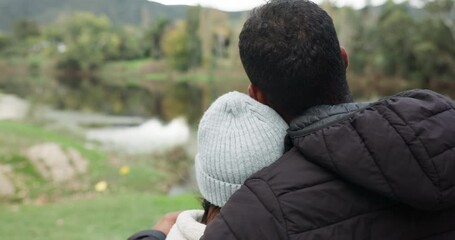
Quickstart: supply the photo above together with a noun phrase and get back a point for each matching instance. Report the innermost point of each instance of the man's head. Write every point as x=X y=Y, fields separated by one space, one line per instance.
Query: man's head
x=291 y=54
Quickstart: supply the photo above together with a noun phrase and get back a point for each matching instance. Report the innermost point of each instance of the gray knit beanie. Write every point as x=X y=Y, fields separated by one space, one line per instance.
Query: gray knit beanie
x=237 y=137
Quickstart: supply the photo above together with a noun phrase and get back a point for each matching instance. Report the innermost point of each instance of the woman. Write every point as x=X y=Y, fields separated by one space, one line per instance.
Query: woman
x=237 y=137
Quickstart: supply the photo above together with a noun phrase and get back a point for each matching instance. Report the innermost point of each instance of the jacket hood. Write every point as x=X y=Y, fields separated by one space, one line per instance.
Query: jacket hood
x=401 y=147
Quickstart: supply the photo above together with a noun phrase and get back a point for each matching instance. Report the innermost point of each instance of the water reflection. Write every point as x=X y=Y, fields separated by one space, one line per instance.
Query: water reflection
x=165 y=101
x=149 y=137
x=123 y=117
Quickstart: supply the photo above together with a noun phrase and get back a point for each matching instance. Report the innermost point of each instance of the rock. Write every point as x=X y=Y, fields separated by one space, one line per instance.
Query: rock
x=79 y=163
x=6 y=187
x=56 y=164
x=12 y=107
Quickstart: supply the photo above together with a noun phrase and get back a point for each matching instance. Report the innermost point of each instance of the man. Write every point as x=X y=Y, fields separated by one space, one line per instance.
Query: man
x=384 y=170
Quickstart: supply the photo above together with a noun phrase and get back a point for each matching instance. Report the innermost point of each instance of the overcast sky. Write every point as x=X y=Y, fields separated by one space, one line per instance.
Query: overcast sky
x=240 y=5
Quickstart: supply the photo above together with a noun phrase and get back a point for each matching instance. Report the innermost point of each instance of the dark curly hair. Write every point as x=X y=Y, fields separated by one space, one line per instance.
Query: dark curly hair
x=290 y=51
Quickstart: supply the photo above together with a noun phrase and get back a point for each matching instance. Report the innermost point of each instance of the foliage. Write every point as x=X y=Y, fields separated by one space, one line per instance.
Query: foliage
x=5 y=42
x=193 y=38
x=23 y=39
x=182 y=44
x=79 y=39
x=24 y=29
x=130 y=46
x=444 y=10
x=435 y=41
x=388 y=41
x=153 y=37
x=175 y=46
x=85 y=41
x=395 y=50
x=398 y=41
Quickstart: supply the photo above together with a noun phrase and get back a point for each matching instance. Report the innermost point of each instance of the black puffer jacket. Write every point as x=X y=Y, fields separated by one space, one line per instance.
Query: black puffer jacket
x=385 y=170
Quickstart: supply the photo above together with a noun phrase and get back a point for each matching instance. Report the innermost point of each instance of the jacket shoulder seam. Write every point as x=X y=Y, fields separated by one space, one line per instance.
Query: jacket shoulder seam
x=328 y=150
x=362 y=139
x=260 y=174
x=283 y=221
x=346 y=219
x=421 y=143
x=228 y=226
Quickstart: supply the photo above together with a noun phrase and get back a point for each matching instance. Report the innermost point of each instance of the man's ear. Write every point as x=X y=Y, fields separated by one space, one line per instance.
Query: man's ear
x=345 y=57
x=257 y=94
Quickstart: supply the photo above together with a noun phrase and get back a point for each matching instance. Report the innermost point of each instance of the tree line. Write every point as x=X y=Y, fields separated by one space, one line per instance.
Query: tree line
x=85 y=41
x=397 y=40
x=393 y=40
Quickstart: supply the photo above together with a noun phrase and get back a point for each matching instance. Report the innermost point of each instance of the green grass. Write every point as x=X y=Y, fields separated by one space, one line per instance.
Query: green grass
x=156 y=76
x=146 y=175
x=31 y=183
x=193 y=77
x=127 y=206
x=130 y=64
x=105 y=217
x=16 y=137
x=143 y=177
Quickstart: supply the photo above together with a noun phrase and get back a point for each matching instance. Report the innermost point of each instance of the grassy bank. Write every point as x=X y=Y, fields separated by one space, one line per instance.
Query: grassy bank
x=105 y=217
x=146 y=71
x=15 y=136
x=132 y=201
x=123 y=174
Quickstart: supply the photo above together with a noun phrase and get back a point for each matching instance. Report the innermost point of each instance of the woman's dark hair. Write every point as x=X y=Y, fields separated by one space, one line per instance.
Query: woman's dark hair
x=207 y=206
x=290 y=51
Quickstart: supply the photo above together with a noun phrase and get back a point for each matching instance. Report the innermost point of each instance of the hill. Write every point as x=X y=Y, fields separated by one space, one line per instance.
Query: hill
x=121 y=12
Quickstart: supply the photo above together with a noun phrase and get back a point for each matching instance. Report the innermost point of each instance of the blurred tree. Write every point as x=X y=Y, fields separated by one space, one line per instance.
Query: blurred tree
x=395 y=44
x=234 y=54
x=215 y=34
x=84 y=41
x=360 y=44
x=24 y=29
x=435 y=47
x=153 y=37
x=443 y=10
x=5 y=42
x=175 y=46
x=193 y=39
x=131 y=45
x=182 y=44
x=25 y=38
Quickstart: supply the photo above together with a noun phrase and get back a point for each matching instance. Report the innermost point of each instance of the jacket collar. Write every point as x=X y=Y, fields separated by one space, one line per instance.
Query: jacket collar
x=321 y=116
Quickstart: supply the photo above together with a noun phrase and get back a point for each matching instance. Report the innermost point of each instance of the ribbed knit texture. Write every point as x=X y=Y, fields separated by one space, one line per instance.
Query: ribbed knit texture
x=237 y=137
